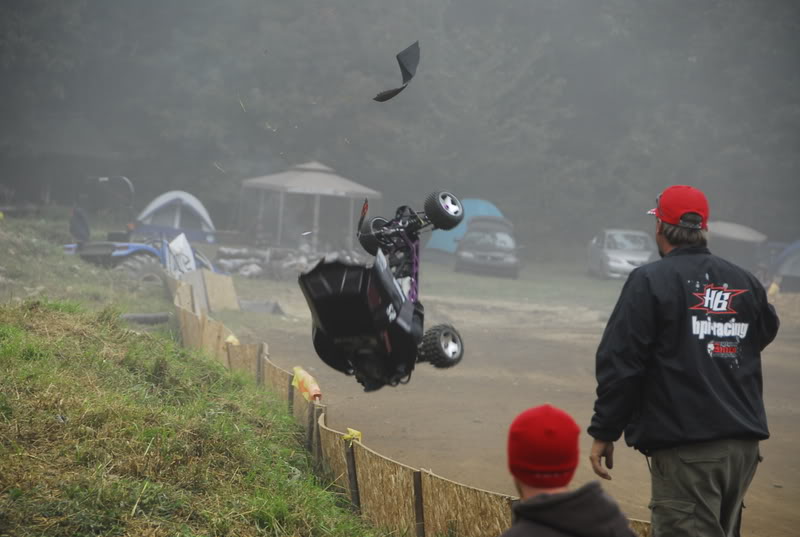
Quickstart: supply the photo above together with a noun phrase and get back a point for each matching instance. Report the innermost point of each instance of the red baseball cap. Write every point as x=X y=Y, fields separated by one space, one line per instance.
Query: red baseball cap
x=543 y=447
x=678 y=200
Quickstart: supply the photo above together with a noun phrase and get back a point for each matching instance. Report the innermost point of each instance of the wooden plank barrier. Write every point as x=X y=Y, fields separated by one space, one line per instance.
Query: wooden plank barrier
x=182 y=315
x=332 y=448
x=300 y=408
x=386 y=491
x=244 y=357
x=452 y=508
x=194 y=331
x=263 y=358
x=305 y=392
x=277 y=380
x=220 y=292
x=318 y=412
x=213 y=338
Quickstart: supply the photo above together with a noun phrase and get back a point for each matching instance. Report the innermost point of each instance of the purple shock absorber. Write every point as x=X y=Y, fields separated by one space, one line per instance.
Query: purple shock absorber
x=414 y=247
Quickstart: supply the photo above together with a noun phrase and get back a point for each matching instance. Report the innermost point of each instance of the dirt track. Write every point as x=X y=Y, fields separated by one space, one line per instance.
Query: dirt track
x=519 y=355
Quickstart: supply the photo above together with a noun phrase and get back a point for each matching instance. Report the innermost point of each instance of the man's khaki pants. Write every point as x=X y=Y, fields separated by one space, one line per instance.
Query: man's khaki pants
x=698 y=489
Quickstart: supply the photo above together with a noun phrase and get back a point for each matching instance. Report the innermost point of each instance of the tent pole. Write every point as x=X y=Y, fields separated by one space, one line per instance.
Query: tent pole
x=260 y=219
x=351 y=224
x=315 y=234
x=281 y=201
x=241 y=210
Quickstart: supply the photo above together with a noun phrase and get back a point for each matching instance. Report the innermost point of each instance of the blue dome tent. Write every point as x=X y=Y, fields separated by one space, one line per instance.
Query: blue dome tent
x=446 y=240
x=173 y=213
x=786 y=268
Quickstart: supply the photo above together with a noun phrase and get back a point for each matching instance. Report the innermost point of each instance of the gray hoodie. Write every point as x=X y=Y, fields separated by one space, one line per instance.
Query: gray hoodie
x=587 y=511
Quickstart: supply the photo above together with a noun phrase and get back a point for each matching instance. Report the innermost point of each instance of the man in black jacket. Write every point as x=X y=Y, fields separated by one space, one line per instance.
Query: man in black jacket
x=679 y=371
x=542 y=457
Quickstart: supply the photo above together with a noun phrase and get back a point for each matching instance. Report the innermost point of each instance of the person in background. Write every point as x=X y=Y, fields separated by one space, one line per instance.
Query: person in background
x=679 y=371
x=79 y=221
x=542 y=458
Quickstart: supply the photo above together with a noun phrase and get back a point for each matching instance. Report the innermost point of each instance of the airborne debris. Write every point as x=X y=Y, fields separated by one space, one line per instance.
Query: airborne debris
x=408 y=60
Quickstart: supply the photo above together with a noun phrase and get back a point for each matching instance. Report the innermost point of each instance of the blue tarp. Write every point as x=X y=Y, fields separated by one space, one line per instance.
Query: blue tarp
x=788 y=262
x=446 y=240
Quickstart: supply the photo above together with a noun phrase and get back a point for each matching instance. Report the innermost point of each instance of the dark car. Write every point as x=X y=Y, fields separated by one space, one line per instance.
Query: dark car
x=488 y=247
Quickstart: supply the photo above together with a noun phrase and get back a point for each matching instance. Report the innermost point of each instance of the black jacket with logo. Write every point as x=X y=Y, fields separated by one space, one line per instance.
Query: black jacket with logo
x=586 y=512
x=680 y=359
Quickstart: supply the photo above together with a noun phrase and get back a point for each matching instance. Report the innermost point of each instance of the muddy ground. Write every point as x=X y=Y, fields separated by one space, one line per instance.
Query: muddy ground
x=520 y=353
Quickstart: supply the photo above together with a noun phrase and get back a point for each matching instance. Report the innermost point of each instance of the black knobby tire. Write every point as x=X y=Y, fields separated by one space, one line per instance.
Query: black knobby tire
x=367 y=237
x=444 y=210
x=442 y=346
x=144 y=269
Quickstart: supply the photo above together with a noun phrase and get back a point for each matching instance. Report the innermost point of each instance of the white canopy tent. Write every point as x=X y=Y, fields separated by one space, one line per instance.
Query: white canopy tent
x=734 y=231
x=736 y=242
x=313 y=179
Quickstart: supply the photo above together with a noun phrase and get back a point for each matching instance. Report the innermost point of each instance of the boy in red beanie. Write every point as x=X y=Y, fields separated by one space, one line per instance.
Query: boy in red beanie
x=542 y=458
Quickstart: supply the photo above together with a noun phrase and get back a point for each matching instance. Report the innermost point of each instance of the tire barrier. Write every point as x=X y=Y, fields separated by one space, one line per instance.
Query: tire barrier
x=391 y=495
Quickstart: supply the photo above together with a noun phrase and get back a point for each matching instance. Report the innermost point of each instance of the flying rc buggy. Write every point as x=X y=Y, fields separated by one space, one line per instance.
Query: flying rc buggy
x=367 y=319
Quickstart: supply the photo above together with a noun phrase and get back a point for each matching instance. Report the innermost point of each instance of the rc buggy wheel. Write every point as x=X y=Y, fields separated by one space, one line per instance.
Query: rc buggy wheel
x=367 y=238
x=444 y=210
x=442 y=346
x=142 y=269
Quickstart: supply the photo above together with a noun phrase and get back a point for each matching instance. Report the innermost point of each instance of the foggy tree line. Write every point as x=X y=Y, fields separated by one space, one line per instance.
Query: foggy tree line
x=568 y=115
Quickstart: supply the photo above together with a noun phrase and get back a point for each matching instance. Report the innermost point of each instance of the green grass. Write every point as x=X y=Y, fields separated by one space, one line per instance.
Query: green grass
x=107 y=432
x=33 y=265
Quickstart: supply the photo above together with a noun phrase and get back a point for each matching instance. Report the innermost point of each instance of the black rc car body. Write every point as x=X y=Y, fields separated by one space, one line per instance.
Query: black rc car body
x=367 y=320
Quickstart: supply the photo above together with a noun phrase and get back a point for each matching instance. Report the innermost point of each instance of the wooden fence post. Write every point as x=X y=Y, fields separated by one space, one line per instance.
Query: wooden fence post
x=316 y=443
x=350 y=457
x=259 y=368
x=263 y=352
x=290 y=402
x=419 y=514
x=310 y=425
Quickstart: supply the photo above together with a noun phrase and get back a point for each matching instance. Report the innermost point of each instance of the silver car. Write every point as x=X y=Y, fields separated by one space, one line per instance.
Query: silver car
x=614 y=253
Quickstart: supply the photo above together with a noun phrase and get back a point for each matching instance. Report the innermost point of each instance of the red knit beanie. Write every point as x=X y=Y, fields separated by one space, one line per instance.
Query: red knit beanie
x=543 y=447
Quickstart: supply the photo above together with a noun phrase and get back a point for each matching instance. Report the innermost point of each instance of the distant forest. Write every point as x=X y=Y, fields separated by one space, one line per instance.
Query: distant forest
x=569 y=115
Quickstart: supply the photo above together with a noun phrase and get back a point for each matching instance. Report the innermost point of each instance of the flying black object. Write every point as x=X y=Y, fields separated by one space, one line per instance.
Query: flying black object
x=408 y=60
x=367 y=319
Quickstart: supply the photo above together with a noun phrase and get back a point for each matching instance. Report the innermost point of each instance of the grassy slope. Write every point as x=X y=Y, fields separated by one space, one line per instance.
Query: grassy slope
x=108 y=432
x=32 y=264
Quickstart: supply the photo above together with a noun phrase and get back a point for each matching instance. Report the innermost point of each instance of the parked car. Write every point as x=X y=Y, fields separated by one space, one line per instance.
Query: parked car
x=614 y=253
x=488 y=247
